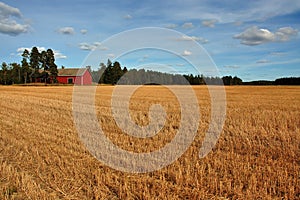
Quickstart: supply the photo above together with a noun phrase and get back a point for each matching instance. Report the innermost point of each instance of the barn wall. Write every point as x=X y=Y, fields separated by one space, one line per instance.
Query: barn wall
x=86 y=79
x=64 y=79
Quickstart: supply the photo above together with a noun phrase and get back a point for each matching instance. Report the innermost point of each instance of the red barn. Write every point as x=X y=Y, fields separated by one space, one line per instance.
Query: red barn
x=78 y=76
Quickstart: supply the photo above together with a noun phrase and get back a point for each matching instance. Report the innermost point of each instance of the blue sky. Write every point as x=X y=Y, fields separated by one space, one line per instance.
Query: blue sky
x=253 y=40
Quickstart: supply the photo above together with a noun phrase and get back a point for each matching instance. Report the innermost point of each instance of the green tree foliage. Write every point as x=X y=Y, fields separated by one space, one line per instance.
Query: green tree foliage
x=117 y=72
x=141 y=76
x=41 y=66
x=51 y=66
x=5 y=77
x=34 y=66
x=25 y=66
x=112 y=73
x=97 y=76
x=228 y=80
x=35 y=59
x=237 y=81
x=47 y=64
x=195 y=80
x=15 y=73
x=287 y=81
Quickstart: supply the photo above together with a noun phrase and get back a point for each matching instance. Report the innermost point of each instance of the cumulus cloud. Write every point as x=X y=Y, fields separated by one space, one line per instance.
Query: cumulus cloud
x=57 y=53
x=192 y=38
x=127 y=16
x=8 y=25
x=256 y=36
x=90 y=47
x=83 y=31
x=285 y=33
x=186 y=53
x=66 y=30
x=188 y=25
x=209 y=23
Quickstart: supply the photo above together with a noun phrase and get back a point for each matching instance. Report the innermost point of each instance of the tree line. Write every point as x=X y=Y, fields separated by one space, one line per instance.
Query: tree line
x=279 y=81
x=113 y=73
x=35 y=67
x=38 y=66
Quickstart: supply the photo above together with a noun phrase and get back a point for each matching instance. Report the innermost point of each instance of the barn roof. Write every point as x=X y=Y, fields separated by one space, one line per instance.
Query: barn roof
x=71 y=71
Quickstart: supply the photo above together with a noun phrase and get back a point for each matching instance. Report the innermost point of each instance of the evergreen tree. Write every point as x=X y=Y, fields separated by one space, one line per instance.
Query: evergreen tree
x=34 y=63
x=44 y=66
x=117 y=72
x=227 y=80
x=5 y=74
x=237 y=81
x=108 y=74
x=51 y=66
x=25 y=65
x=15 y=73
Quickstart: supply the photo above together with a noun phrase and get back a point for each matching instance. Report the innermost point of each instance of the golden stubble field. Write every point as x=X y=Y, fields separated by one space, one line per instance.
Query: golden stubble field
x=256 y=157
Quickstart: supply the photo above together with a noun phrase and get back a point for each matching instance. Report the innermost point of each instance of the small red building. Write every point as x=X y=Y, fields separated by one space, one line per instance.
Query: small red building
x=78 y=76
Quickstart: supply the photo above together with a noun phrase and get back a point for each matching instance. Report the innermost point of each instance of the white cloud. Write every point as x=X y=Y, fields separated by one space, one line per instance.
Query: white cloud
x=86 y=46
x=171 y=26
x=127 y=16
x=188 y=25
x=83 y=31
x=186 y=53
x=66 y=30
x=7 y=10
x=256 y=36
x=57 y=53
x=90 y=47
x=209 y=23
x=285 y=33
x=192 y=38
x=21 y=49
x=8 y=25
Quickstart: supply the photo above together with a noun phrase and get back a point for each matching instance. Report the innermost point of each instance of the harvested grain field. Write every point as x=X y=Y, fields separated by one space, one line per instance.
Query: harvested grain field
x=256 y=157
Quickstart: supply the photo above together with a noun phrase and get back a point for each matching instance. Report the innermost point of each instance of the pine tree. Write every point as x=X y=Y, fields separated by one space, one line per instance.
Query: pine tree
x=34 y=63
x=25 y=65
x=51 y=65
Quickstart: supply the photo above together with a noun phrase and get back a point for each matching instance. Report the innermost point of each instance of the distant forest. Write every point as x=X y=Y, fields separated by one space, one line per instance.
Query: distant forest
x=113 y=73
x=40 y=66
